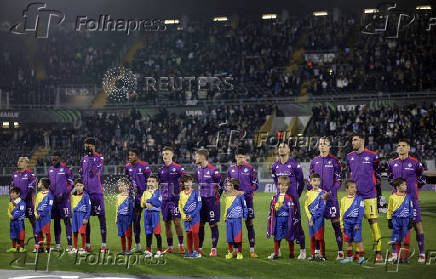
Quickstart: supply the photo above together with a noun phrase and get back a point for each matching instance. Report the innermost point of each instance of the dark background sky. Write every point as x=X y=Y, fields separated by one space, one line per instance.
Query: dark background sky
x=11 y=9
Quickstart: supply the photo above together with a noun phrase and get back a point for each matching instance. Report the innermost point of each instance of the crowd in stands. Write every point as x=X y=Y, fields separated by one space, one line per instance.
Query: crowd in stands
x=221 y=129
x=382 y=128
x=221 y=126
x=30 y=68
x=372 y=63
x=261 y=57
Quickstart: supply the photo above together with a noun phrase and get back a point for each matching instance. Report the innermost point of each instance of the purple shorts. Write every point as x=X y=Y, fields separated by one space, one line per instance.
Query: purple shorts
x=210 y=210
x=249 y=202
x=61 y=210
x=331 y=209
x=170 y=209
x=97 y=204
x=416 y=210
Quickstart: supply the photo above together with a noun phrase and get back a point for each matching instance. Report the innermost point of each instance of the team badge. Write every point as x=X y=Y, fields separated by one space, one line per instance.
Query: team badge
x=410 y=165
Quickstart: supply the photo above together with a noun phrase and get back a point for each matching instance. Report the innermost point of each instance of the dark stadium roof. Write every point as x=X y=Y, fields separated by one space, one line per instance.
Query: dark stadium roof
x=174 y=8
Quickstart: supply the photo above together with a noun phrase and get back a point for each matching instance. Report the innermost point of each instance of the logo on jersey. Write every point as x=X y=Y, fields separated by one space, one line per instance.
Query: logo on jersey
x=410 y=165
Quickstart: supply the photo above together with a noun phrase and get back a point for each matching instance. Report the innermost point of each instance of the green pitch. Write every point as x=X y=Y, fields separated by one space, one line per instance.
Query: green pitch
x=219 y=266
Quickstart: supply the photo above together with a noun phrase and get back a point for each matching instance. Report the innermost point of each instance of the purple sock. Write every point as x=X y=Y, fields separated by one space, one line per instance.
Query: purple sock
x=68 y=230
x=201 y=236
x=88 y=231
x=338 y=235
x=102 y=220
x=420 y=239
x=57 y=230
x=137 y=226
x=180 y=237
x=301 y=237
x=35 y=234
x=394 y=247
x=251 y=235
x=170 y=241
x=215 y=235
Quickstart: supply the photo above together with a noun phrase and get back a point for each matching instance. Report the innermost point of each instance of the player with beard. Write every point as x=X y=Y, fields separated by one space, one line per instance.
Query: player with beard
x=138 y=172
x=91 y=168
x=61 y=183
x=363 y=165
x=208 y=178
x=411 y=170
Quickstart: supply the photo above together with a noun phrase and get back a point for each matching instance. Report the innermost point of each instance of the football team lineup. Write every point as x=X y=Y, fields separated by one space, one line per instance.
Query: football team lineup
x=170 y=195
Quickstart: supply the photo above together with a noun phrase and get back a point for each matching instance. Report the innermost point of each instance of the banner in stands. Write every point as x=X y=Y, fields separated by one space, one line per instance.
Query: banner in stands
x=9 y=114
x=317 y=58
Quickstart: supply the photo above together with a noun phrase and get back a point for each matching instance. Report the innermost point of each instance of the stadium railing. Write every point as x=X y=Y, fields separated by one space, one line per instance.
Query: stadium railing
x=312 y=98
x=263 y=169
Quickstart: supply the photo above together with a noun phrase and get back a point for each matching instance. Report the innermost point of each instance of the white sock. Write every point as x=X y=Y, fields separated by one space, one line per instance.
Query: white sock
x=138 y=246
x=251 y=249
x=88 y=245
x=58 y=246
x=103 y=245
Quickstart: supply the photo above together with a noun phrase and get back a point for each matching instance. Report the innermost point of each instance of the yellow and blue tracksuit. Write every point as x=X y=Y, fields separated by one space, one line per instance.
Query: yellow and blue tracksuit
x=352 y=210
x=281 y=218
x=16 y=216
x=81 y=205
x=124 y=209
x=43 y=205
x=190 y=205
x=152 y=215
x=315 y=206
x=400 y=210
x=236 y=209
